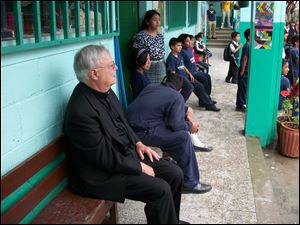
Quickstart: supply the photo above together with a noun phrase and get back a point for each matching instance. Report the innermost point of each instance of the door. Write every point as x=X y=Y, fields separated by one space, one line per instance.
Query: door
x=129 y=25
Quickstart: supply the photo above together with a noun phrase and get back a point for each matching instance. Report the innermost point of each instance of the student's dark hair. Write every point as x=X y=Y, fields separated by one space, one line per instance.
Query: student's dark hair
x=295 y=39
x=289 y=39
x=148 y=15
x=191 y=36
x=234 y=34
x=247 y=34
x=211 y=4
x=140 y=57
x=284 y=61
x=173 y=78
x=199 y=35
x=173 y=41
x=183 y=37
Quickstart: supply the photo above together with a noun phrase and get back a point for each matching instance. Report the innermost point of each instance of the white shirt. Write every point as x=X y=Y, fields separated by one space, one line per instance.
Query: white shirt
x=232 y=48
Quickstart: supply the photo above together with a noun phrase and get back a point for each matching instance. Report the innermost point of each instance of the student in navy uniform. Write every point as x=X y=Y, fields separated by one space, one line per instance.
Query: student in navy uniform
x=243 y=75
x=190 y=64
x=285 y=84
x=139 y=79
x=175 y=64
x=212 y=21
x=160 y=122
x=294 y=60
x=235 y=47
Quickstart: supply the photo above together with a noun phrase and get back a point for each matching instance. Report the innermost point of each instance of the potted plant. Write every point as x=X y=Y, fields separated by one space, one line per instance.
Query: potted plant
x=289 y=128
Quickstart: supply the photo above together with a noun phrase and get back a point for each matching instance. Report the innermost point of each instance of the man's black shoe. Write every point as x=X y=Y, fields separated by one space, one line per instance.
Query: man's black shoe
x=214 y=37
x=198 y=189
x=214 y=102
x=212 y=108
x=234 y=81
x=183 y=222
x=206 y=148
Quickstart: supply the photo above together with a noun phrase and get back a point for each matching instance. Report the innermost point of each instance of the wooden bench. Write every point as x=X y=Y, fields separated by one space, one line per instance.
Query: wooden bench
x=36 y=192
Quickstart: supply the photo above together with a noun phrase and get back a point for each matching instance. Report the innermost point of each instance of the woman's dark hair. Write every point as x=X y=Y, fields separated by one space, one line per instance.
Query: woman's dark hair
x=174 y=79
x=247 y=34
x=234 y=34
x=140 y=57
x=284 y=61
x=199 y=35
x=148 y=15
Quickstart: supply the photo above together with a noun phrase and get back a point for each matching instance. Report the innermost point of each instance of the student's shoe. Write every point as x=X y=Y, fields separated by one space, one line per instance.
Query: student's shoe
x=208 y=64
x=234 y=81
x=214 y=37
x=205 y=148
x=212 y=108
x=198 y=189
x=240 y=108
x=214 y=102
x=227 y=80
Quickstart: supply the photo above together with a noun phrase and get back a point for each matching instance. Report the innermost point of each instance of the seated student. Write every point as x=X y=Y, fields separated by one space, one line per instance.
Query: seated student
x=235 y=47
x=139 y=79
x=108 y=161
x=189 y=62
x=160 y=122
x=199 y=57
x=201 y=48
x=175 y=65
x=284 y=83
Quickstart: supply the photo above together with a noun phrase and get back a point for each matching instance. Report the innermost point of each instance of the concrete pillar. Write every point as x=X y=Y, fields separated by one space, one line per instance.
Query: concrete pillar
x=264 y=78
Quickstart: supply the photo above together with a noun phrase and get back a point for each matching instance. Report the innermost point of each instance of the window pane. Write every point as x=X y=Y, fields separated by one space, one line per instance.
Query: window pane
x=7 y=21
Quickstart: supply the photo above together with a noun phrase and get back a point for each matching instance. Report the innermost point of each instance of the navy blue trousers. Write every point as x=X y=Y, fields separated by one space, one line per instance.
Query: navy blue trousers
x=179 y=146
x=204 y=79
x=242 y=90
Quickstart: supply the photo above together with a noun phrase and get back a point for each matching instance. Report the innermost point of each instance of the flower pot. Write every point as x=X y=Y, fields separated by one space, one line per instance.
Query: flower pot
x=289 y=140
x=280 y=119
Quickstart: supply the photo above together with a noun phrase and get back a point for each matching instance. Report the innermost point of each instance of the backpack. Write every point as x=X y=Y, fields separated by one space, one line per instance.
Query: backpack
x=226 y=53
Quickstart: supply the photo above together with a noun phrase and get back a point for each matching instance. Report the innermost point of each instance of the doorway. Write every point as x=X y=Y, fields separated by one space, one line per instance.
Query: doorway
x=129 y=26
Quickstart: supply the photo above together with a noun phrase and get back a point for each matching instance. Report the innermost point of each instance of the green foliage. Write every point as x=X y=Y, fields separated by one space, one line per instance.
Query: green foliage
x=291 y=109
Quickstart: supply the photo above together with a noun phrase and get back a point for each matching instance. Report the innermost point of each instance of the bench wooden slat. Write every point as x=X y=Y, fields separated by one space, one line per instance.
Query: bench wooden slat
x=32 y=198
x=70 y=208
x=12 y=180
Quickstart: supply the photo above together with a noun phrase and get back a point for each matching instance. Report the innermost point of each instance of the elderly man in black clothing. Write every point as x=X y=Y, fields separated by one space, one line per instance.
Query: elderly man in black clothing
x=108 y=160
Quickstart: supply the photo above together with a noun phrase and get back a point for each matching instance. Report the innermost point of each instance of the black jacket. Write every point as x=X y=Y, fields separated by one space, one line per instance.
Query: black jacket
x=99 y=161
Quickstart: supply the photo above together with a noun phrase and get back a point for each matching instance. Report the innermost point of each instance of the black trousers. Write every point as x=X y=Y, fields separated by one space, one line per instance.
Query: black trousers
x=205 y=79
x=233 y=71
x=162 y=193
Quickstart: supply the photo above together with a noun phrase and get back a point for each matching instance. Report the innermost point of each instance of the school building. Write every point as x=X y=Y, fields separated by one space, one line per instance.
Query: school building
x=40 y=38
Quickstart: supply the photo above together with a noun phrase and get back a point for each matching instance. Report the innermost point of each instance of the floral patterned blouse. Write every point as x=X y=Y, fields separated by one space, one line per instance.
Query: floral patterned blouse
x=155 y=45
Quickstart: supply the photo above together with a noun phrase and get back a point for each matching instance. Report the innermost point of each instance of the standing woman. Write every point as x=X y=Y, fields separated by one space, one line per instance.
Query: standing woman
x=153 y=41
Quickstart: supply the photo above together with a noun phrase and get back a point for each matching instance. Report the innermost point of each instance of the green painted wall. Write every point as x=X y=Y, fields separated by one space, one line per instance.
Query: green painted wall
x=264 y=82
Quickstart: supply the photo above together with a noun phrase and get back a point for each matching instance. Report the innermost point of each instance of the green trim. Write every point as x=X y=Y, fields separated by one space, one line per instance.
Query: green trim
x=77 y=19
x=18 y=23
x=52 y=13
x=111 y=27
x=96 y=17
x=21 y=191
x=104 y=18
x=175 y=28
x=176 y=19
x=32 y=46
x=117 y=7
x=37 y=21
x=87 y=18
x=37 y=210
x=193 y=12
x=65 y=8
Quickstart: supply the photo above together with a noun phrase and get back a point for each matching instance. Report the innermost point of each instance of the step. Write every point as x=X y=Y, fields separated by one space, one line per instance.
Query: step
x=217 y=44
x=267 y=210
x=223 y=36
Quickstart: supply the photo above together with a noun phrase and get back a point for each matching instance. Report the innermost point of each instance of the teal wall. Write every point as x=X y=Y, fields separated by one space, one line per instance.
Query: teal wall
x=264 y=82
x=35 y=88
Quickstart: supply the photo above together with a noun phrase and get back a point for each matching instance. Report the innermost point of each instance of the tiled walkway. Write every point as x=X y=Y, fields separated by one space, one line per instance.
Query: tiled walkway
x=226 y=168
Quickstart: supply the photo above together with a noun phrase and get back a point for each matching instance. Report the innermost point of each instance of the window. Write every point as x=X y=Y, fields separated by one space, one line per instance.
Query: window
x=193 y=12
x=176 y=14
x=159 y=6
x=34 y=24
